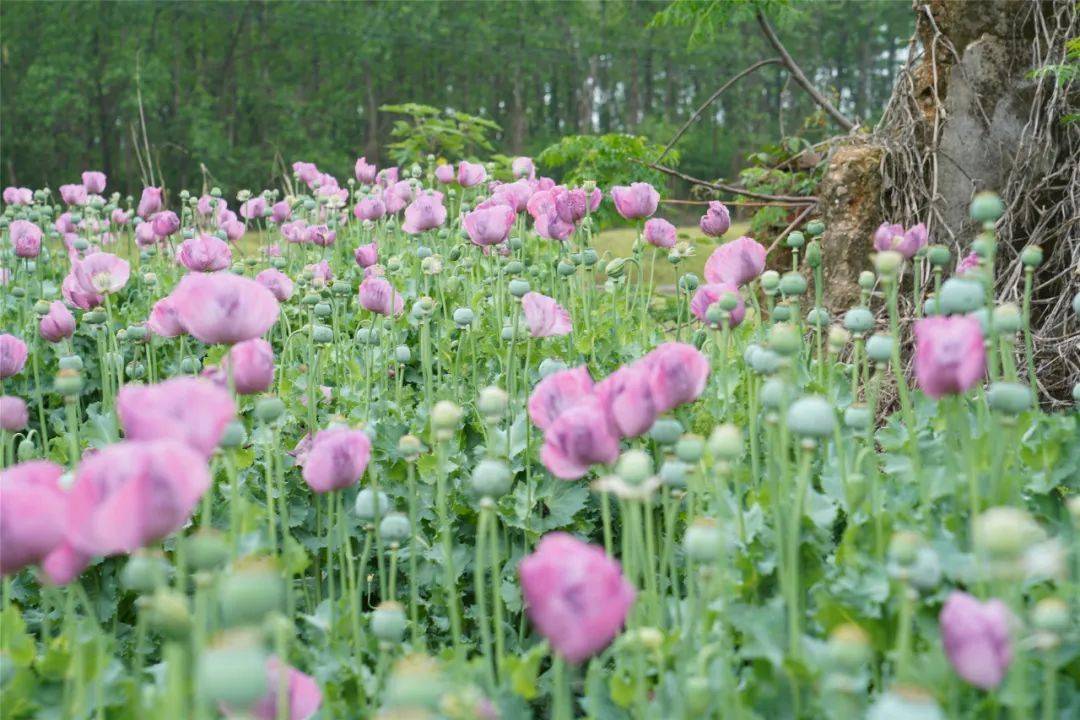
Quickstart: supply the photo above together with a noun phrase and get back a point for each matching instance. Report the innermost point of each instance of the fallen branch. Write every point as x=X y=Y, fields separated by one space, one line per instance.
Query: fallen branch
x=739 y=203
x=794 y=224
x=799 y=76
x=712 y=98
x=791 y=199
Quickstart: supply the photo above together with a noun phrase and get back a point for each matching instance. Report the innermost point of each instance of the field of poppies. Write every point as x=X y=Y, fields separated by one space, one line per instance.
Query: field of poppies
x=419 y=450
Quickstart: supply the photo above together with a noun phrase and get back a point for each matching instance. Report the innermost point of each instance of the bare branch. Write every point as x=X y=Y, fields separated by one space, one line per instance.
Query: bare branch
x=712 y=98
x=790 y=199
x=799 y=76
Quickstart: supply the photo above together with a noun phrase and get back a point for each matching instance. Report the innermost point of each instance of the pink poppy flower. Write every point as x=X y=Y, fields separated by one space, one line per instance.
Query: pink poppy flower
x=120 y=217
x=660 y=233
x=13 y=413
x=224 y=308
x=295 y=231
x=75 y=295
x=64 y=224
x=280 y=212
x=277 y=282
x=204 y=253
x=950 y=357
x=470 y=174
x=12 y=355
x=321 y=235
x=639 y=200
x=366 y=255
x=736 y=262
x=544 y=316
x=32 y=513
x=321 y=274
x=364 y=171
x=575 y=595
x=149 y=203
x=546 y=219
x=523 y=167
x=164 y=321
x=445 y=173
x=144 y=234
x=578 y=438
x=18 y=196
x=490 y=225
x=515 y=194
x=57 y=324
x=94 y=182
x=716 y=220
x=307 y=172
x=190 y=410
x=370 y=208
x=711 y=293
x=976 y=639
x=73 y=194
x=25 y=238
x=969 y=263
x=387 y=176
x=556 y=393
x=132 y=494
x=378 y=295
x=895 y=237
x=424 y=213
x=252 y=366
x=254 y=208
x=678 y=374
x=626 y=395
x=233 y=228
x=397 y=197
x=102 y=273
x=337 y=459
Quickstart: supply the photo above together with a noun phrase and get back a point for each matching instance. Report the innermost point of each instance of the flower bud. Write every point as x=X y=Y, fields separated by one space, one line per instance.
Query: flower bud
x=615 y=268
x=813 y=254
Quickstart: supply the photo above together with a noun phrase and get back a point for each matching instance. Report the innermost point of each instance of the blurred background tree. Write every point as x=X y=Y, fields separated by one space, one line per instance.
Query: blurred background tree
x=232 y=90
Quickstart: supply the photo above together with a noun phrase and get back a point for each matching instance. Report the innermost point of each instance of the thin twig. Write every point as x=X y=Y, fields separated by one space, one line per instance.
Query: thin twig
x=795 y=200
x=794 y=224
x=712 y=98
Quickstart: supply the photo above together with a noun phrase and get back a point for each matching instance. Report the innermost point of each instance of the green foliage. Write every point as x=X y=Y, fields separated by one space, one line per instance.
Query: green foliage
x=706 y=18
x=430 y=131
x=789 y=167
x=1064 y=73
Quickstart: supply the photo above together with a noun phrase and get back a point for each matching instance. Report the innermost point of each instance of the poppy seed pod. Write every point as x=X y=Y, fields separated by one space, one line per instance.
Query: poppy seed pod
x=818 y=317
x=811 y=416
x=959 y=296
x=268 y=410
x=986 y=207
x=492 y=402
x=388 y=622
x=666 y=431
x=250 y=593
x=518 y=287
x=796 y=239
x=879 y=347
x=765 y=361
x=365 y=505
x=859 y=320
x=1007 y=319
x=634 y=467
x=690 y=448
x=1031 y=256
x=770 y=281
x=143 y=573
x=938 y=255
x=234 y=672
x=402 y=354
x=689 y=282
x=1004 y=533
x=167 y=613
x=726 y=442
x=463 y=317
x=784 y=339
x=775 y=393
x=858 y=417
x=395 y=528
x=207 y=550
x=887 y=263
x=867 y=280
x=838 y=338
x=703 y=541
x=491 y=478
x=1009 y=398
x=813 y=254
x=849 y=647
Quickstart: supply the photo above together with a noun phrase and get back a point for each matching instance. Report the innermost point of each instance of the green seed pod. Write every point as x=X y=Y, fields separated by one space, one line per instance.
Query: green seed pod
x=859 y=320
x=402 y=354
x=849 y=648
x=93 y=317
x=838 y=338
x=879 y=347
x=207 y=550
x=71 y=362
x=666 y=431
x=135 y=370
x=690 y=448
x=960 y=296
x=858 y=417
x=784 y=339
x=551 y=365
x=811 y=416
x=781 y=313
x=796 y=239
x=938 y=255
x=673 y=473
x=250 y=593
x=715 y=315
x=793 y=284
x=190 y=365
x=815 y=228
x=770 y=282
x=1009 y=398
x=983 y=246
x=233 y=675
x=1051 y=615
x=565 y=269
x=423 y=252
x=589 y=257
x=689 y=282
x=41 y=307
x=491 y=478
x=68 y=382
x=726 y=442
x=388 y=622
x=1031 y=256
x=269 y=409
x=887 y=263
x=365 y=505
x=26 y=450
x=310 y=299
x=703 y=541
x=136 y=332
x=813 y=254
x=1007 y=319
x=634 y=467
x=322 y=334
x=409 y=447
x=698 y=695
x=1005 y=532
x=986 y=207
x=514 y=267
x=867 y=280
x=818 y=317
x=323 y=310
x=516 y=243
x=931 y=307
x=492 y=402
x=765 y=361
x=463 y=317
x=518 y=287
x=367 y=336
x=775 y=393
x=167 y=613
x=234 y=436
x=143 y=573
x=395 y=528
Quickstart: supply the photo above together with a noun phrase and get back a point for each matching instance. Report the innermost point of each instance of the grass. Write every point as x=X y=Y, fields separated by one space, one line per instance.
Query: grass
x=619 y=242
